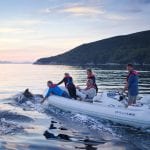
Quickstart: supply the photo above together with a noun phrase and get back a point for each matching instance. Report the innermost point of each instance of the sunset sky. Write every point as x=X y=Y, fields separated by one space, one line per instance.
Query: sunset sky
x=30 y=29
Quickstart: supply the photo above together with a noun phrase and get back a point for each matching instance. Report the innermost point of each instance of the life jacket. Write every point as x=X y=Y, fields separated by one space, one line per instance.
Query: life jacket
x=91 y=76
x=53 y=86
x=68 y=81
x=135 y=73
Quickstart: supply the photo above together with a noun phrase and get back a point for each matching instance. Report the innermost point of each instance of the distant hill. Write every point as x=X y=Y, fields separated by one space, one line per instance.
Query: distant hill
x=133 y=48
x=5 y=62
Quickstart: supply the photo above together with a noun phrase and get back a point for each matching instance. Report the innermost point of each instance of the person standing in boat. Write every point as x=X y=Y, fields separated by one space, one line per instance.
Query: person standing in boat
x=91 y=76
x=68 y=81
x=131 y=84
x=54 y=90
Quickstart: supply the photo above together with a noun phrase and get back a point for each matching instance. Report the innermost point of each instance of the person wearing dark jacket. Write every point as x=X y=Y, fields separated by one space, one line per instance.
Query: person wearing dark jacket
x=91 y=76
x=68 y=81
x=131 y=84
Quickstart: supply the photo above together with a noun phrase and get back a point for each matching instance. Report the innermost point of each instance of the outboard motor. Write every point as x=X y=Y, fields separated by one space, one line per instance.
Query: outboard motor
x=121 y=97
x=113 y=94
x=117 y=95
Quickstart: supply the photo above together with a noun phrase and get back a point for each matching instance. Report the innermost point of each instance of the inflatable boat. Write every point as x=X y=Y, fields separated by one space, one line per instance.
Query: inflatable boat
x=108 y=105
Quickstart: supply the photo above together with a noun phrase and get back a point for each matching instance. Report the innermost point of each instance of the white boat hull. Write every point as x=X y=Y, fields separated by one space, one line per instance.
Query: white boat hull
x=131 y=116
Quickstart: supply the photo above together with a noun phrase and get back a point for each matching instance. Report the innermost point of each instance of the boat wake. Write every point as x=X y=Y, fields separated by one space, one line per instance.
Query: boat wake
x=10 y=122
x=32 y=103
x=9 y=127
x=90 y=131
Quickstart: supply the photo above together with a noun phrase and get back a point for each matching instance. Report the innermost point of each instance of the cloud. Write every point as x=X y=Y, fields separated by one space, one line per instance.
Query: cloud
x=29 y=22
x=80 y=8
x=126 y=6
x=143 y=1
x=83 y=11
x=22 y=22
x=115 y=17
x=14 y=30
x=20 y=26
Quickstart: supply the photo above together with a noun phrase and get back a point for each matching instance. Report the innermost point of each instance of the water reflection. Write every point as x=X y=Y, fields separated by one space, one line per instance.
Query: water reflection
x=63 y=134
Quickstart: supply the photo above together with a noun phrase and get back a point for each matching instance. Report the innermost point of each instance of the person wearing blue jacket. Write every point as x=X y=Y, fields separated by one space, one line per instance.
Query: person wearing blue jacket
x=54 y=90
x=131 y=84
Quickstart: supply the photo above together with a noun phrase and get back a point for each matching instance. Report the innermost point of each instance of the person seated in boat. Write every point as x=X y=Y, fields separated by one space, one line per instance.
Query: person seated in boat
x=91 y=76
x=131 y=84
x=54 y=90
x=89 y=91
x=68 y=81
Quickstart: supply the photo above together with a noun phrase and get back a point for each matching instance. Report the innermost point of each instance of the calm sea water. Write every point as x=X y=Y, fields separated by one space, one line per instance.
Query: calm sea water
x=51 y=128
x=17 y=77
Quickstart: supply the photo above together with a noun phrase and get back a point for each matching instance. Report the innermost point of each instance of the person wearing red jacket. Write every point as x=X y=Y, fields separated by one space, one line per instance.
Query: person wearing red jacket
x=91 y=76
